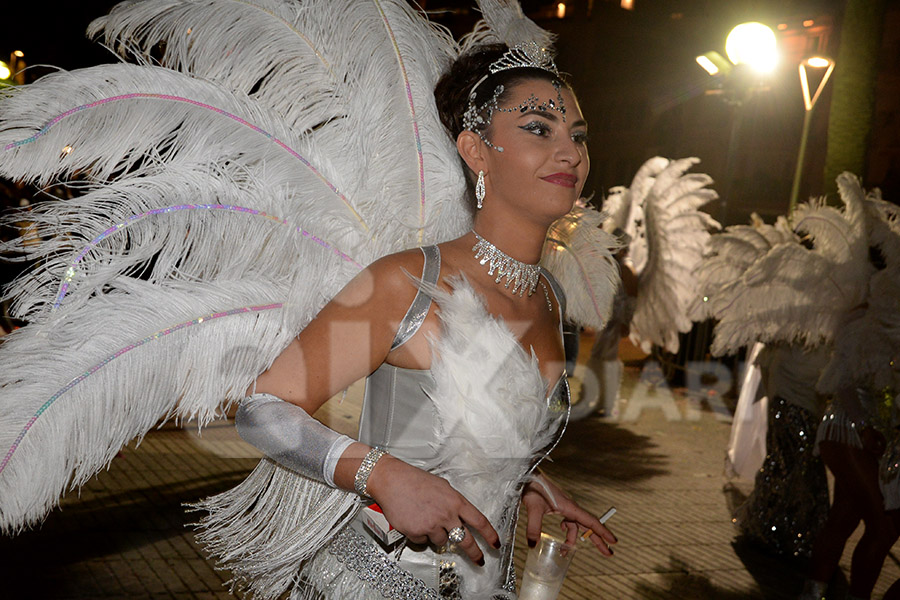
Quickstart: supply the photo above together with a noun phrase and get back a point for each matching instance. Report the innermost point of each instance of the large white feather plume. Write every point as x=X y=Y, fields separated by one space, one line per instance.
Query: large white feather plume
x=790 y=283
x=660 y=213
x=220 y=207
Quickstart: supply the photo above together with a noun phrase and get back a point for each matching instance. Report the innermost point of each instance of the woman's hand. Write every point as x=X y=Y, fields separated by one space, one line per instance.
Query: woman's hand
x=425 y=507
x=541 y=496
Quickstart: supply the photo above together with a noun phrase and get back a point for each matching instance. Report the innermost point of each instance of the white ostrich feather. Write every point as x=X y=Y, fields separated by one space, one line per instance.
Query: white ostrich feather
x=193 y=184
x=883 y=220
x=728 y=255
x=504 y=22
x=660 y=212
x=82 y=383
x=771 y=284
x=577 y=253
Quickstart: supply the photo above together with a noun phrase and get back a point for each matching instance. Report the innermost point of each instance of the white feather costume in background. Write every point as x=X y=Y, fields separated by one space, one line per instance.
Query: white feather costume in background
x=867 y=347
x=762 y=284
x=867 y=351
x=257 y=156
x=660 y=213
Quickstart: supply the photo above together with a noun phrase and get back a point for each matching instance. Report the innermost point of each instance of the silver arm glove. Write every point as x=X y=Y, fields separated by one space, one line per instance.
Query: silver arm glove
x=290 y=436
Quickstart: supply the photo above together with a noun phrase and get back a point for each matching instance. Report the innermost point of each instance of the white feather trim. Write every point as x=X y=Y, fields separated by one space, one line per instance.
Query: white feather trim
x=577 y=253
x=493 y=418
x=762 y=284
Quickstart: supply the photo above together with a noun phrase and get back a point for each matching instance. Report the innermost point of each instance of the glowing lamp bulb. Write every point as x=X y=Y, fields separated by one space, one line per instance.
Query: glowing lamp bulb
x=754 y=45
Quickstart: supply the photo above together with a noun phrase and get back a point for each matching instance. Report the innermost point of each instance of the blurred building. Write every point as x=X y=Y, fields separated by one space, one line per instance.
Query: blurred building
x=633 y=64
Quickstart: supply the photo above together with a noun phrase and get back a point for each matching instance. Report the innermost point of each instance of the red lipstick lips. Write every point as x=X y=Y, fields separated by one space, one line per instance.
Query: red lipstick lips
x=563 y=179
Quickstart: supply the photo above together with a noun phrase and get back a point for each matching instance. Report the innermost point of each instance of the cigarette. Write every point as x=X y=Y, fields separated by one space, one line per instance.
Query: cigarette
x=602 y=520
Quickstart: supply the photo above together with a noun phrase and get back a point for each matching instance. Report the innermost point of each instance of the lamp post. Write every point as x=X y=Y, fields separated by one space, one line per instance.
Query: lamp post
x=815 y=62
x=752 y=54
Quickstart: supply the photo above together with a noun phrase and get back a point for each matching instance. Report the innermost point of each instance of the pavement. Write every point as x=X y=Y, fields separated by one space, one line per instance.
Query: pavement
x=661 y=464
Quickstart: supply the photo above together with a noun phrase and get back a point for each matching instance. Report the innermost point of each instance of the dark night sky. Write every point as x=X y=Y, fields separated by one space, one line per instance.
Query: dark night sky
x=53 y=33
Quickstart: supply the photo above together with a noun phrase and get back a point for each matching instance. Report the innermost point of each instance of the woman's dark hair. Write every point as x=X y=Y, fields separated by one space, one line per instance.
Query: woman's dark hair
x=452 y=91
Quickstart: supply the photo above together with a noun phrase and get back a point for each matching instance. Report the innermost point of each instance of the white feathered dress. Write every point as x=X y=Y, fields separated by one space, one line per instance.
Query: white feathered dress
x=482 y=417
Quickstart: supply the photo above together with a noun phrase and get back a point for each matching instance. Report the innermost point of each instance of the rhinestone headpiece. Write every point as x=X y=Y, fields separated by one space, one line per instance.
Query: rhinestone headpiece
x=525 y=54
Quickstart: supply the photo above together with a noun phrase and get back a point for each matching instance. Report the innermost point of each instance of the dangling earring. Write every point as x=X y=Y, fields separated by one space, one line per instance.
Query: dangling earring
x=479 y=189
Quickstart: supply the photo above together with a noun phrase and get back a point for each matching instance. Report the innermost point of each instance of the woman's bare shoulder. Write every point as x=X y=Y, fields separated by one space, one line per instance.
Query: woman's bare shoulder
x=387 y=281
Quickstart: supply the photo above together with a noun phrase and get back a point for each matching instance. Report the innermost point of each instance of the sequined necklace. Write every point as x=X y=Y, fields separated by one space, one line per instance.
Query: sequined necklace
x=522 y=276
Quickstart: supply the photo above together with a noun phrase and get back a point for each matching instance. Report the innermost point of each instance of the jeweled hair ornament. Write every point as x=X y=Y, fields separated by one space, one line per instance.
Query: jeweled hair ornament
x=523 y=55
x=527 y=55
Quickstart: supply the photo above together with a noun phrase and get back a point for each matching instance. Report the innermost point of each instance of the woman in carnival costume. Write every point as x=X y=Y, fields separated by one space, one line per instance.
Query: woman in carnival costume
x=858 y=437
x=296 y=175
x=789 y=287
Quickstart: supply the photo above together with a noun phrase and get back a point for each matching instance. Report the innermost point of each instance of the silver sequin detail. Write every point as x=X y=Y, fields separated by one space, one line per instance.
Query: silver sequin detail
x=522 y=276
x=418 y=310
x=789 y=502
x=449 y=582
x=375 y=568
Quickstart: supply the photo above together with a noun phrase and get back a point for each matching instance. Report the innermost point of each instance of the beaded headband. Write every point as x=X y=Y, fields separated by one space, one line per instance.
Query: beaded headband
x=527 y=55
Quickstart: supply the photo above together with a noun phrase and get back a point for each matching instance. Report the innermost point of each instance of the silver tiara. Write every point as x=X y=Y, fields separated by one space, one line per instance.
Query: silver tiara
x=524 y=54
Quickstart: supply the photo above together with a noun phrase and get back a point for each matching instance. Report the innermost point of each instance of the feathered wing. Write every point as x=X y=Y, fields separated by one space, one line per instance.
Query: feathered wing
x=867 y=344
x=660 y=213
x=787 y=283
x=215 y=219
x=357 y=75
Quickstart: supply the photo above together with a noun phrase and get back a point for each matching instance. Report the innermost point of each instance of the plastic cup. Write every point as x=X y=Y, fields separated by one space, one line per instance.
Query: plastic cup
x=545 y=569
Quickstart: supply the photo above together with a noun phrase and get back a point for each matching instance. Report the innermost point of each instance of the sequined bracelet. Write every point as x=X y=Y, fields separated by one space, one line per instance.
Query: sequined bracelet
x=365 y=469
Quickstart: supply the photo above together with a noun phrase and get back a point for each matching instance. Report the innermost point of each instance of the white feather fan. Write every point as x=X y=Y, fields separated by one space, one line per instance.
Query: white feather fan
x=660 y=213
x=787 y=283
x=218 y=213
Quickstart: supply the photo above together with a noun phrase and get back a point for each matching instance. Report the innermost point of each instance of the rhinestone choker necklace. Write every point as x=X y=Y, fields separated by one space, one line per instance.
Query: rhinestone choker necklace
x=522 y=276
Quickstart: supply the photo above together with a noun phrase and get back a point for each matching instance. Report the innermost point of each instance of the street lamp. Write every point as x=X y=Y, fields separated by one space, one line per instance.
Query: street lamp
x=814 y=62
x=752 y=54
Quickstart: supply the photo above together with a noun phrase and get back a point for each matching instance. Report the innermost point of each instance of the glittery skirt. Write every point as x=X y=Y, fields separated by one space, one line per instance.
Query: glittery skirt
x=353 y=566
x=789 y=502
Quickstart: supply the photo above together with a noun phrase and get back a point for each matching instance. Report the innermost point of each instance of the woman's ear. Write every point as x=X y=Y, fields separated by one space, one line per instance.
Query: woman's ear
x=471 y=149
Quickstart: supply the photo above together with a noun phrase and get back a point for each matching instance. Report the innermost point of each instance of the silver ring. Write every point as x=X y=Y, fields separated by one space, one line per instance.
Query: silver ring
x=456 y=535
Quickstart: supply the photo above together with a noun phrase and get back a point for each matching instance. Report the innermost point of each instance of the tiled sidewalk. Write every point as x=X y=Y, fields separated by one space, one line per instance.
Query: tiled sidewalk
x=125 y=536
